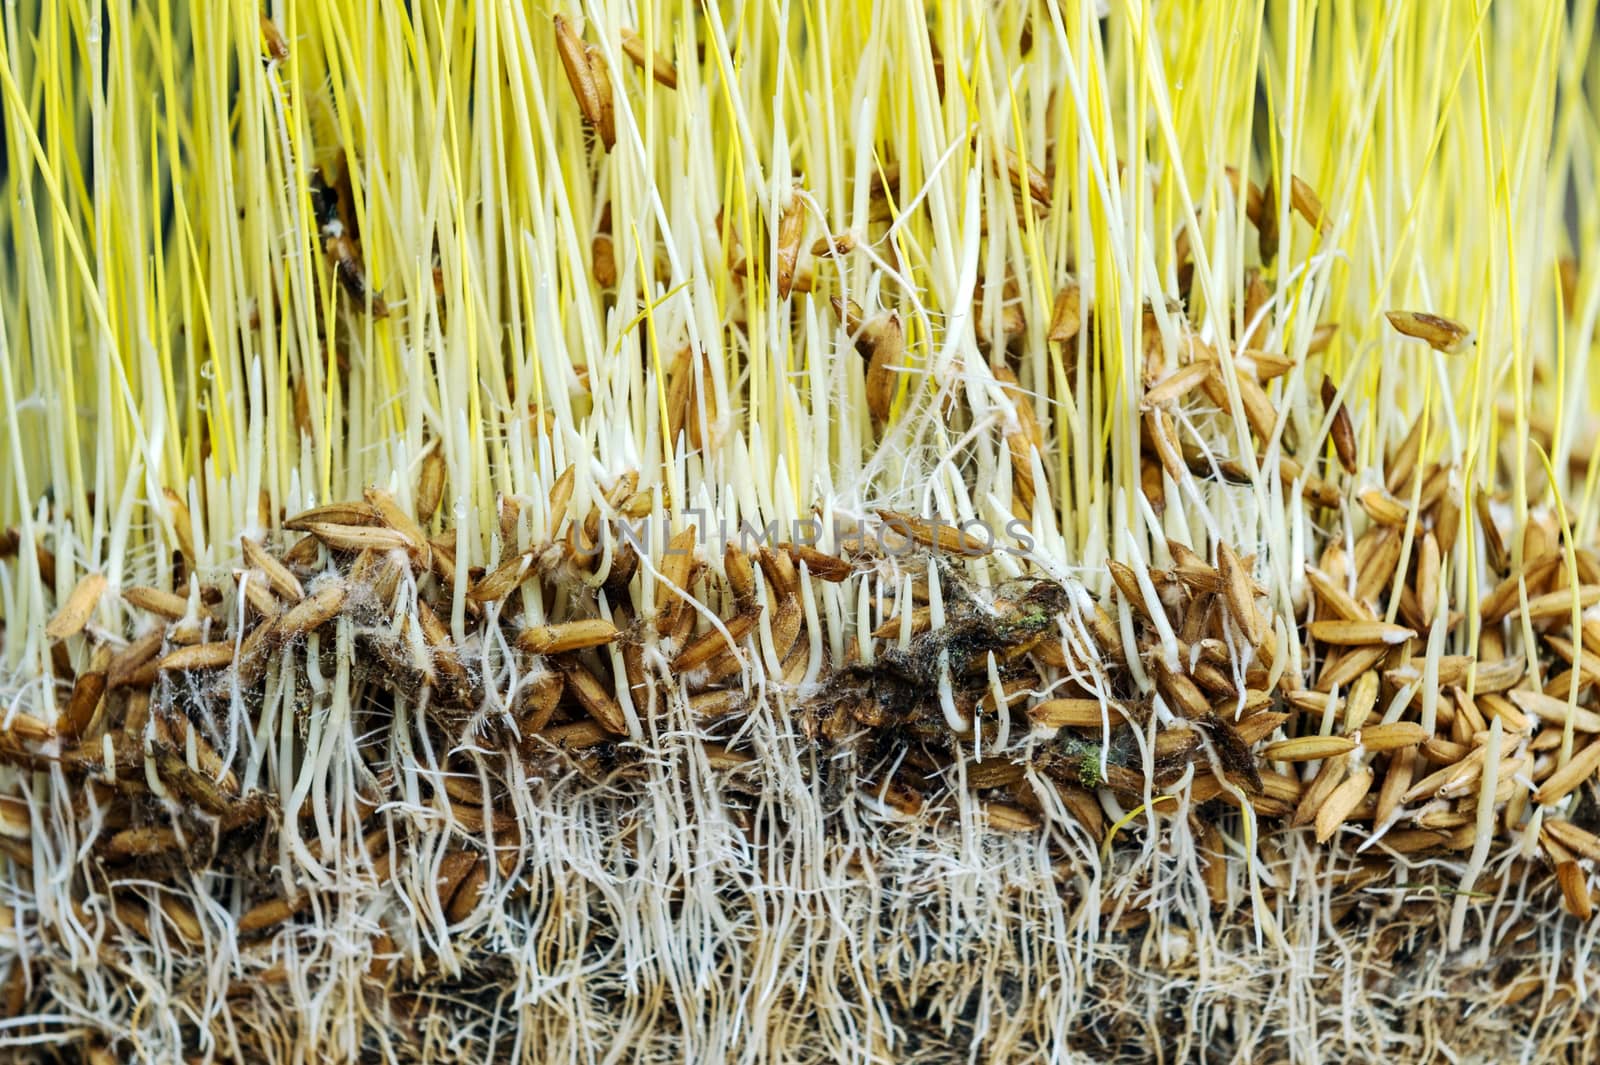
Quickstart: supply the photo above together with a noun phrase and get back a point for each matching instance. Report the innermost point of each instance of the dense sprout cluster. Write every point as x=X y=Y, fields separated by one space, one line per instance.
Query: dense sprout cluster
x=797 y=533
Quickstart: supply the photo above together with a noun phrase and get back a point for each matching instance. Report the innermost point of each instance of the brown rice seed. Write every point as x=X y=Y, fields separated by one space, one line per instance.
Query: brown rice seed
x=1077 y=713
x=1106 y=634
x=1308 y=748
x=600 y=78
x=712 y=642
x=714 y=704
x=838 y=244
x=440 y=646
x=1396 y=781
x=1030 y=178
x=1489 y=678
x=1177 y=384
x=1342 y=803
x=820 y=564
x=16 y=822
x=1575 y=772
x=272 y=38
x=1343 y=633
x=1465 y=783
x=881 y=339
x=1414 y=840
x=1350 y=665
x=1307 y=204
x=676 y=565
x=158 y=602
x=942 y=536
x=1263 y=365
x=272 y=912
x=1427 y=578
x=183 y=918
x=1452 y=669
x=283 y=583
x=1214 y=680
x=1315 y=796
x=124 y=665
x=1444 y=752
x=505 y=579
x=567 y=636
x=741 y=576
x=304 y=554
x=1175 y=743
x=1439 y=333
x=659 y=66
x=1193 y=570
x=577 y=735
x=791 y=227
x=1250 y=192
x=200 y=656
x=74 y=612
x=1066 y=316
x=1495 y=705
x=1335 y=598
x=1390 y=737
x=1309 y=702
x=1268 y=227
x=21 y=856
x=1444 y=819
x=1559 y=604
x=786 y=625
x=539 y=697
x=1258 y=726
x=1575 y=890
x=1258 y=409
x=1240 y=595
x=256 y=592
x=1378 y=572
x=464 y=899
x=314 y=611
x=921 y=622
x=1021 y=406
x=333 y=514
x=1184 y=695
x=850 y=315
x=1363 y=697
x=1456 y=771
x=1280 y=786
x=1322 y=337
x=1579 y=841
x=561 y=497
x=430 y=481
x=142 y=842
x=88 y=691
x=580 y=75
x=1383 y=508
x=182 y=524
x=718 y=756
x=1127 y=583
x=1555 y=711
x=1005 y=817
x=593 y=696
x=360 y=537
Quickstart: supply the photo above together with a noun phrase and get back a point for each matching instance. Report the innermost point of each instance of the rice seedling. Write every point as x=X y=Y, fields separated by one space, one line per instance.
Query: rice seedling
x=800 y=532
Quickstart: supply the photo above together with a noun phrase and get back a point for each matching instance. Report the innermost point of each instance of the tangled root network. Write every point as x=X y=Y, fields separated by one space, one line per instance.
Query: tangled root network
x=875 y=531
